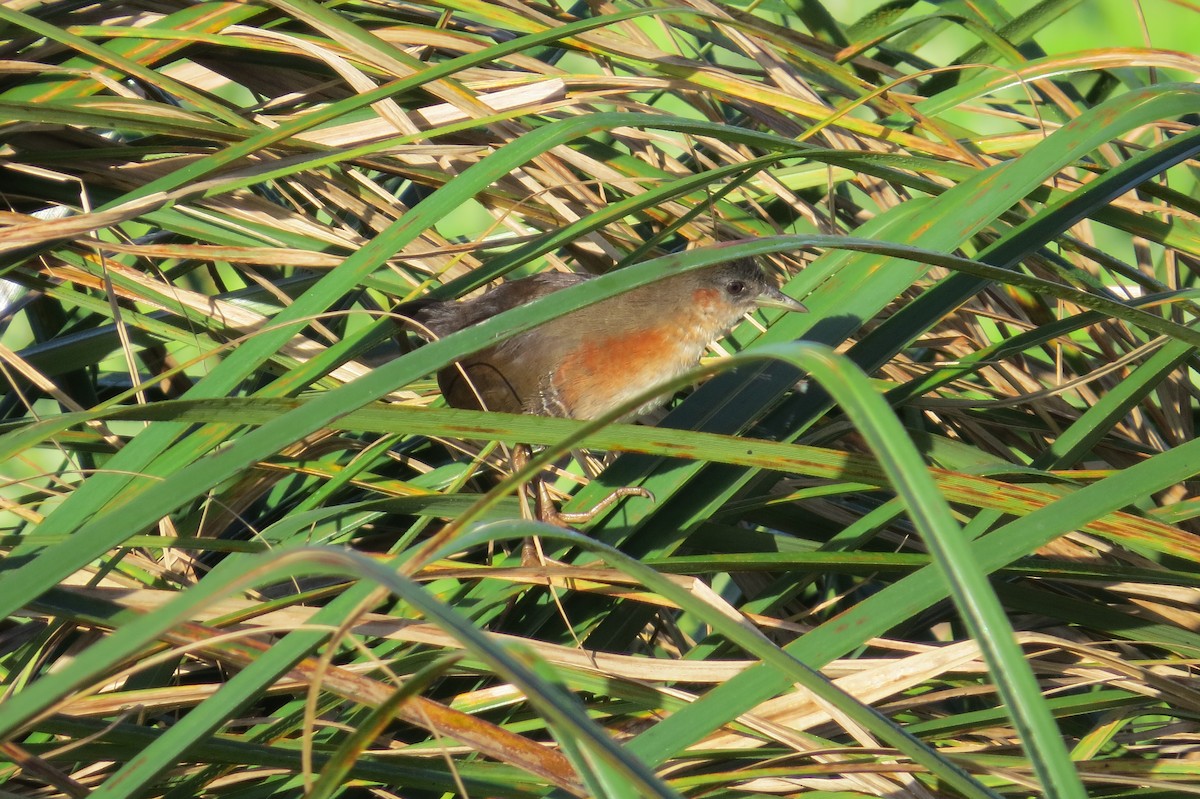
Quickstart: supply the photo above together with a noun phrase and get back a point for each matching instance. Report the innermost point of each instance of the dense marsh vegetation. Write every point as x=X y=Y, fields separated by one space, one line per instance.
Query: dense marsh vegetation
x=937 y=537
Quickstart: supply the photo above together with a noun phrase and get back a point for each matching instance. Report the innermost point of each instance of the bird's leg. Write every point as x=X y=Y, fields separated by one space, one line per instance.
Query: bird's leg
x=592 y=468
x=531 y=554
x=546 y=510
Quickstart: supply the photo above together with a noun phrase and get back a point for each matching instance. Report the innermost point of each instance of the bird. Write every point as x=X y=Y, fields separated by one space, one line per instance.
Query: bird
x=588 y=362
x=595 y=359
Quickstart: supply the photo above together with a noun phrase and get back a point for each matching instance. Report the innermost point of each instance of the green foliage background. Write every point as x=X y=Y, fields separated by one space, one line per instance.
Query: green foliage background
x=934 y=538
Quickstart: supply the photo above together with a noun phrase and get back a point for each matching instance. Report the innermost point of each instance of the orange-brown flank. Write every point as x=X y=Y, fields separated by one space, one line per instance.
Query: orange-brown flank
x=617 y=368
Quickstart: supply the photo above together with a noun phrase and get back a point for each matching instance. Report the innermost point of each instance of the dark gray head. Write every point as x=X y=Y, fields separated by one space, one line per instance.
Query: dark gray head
x=744 y=285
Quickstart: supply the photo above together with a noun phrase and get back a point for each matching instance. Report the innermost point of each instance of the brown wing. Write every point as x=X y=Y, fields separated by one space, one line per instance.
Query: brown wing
x=498 y=379
x=444 y=318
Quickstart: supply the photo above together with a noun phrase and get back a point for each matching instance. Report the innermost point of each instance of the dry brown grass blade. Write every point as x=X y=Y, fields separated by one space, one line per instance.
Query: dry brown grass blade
x=482 y=736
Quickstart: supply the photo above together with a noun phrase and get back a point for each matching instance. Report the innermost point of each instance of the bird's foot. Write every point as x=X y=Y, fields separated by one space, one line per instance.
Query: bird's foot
x=548 y=512
x=583 y=517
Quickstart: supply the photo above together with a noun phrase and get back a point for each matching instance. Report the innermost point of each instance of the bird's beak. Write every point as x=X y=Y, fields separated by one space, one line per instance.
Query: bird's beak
x=774 y=298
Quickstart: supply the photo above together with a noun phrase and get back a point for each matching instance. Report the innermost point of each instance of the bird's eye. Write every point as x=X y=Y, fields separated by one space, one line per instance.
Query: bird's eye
x=736 y=287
